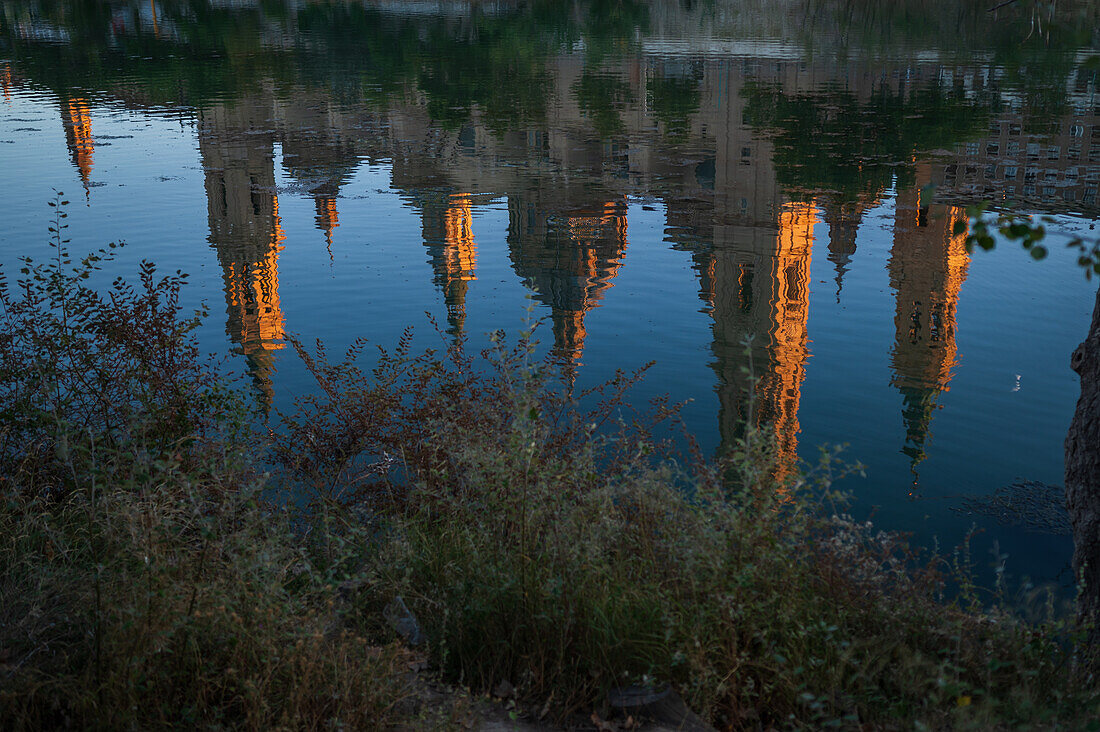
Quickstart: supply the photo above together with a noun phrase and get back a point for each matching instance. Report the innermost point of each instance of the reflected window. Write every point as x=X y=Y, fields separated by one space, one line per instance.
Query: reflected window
x=222 y=195
x=704 y=174
x=1010 y=172
x=467 y=137
x=744 y=287
x=254 y=195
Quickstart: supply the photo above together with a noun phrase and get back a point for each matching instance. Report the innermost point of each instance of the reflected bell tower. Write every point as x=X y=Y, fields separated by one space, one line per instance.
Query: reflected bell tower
x=569 y=256
x=447 y=225
x=928 y=264
x=761 y=289
x=77 y=120
x=246 y=231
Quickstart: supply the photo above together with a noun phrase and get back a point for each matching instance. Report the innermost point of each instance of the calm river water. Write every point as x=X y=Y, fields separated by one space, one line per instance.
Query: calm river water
x=664 y=179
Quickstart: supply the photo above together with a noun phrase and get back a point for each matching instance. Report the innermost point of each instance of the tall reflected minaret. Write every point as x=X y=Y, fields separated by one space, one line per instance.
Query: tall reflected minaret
x=569 y=255
x=246 y=230
x=761 y=290
x=927 y=267
x=447 y=224
x=77 y=120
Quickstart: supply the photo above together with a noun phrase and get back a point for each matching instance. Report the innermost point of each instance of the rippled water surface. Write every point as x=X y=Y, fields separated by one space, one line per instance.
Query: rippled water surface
x=663 y=179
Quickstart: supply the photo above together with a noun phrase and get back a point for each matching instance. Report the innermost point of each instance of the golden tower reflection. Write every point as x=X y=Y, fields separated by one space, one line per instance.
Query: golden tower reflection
x=927 y=267
x=252 y=292
x=246 y=231
x=78 y=137
x=780 y=388
x=761 y=289
x=448 y=234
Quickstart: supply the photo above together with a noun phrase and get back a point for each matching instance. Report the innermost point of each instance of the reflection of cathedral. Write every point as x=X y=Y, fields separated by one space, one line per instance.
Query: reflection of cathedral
x=246 y=231
x=927 y=267
x=750 y=245
x=569 y=254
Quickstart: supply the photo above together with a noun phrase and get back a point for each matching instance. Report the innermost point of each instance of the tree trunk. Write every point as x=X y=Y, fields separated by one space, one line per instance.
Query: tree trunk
x=1083 y=478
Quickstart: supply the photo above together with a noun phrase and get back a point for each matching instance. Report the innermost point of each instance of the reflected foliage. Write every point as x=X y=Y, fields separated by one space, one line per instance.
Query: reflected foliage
x=601 y=97
x=835 y=141
x=673 y=99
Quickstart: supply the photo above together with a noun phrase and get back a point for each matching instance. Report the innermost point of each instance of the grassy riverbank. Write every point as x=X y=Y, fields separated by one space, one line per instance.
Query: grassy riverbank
x=151 y=576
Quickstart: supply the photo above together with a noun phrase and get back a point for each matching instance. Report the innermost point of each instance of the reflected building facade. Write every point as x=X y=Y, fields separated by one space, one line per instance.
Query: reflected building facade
x=750 y=237
x=927 y=267
x=245 y=229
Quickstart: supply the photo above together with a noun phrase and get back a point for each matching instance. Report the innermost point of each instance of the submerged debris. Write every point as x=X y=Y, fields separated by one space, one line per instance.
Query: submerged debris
x=1035 y=507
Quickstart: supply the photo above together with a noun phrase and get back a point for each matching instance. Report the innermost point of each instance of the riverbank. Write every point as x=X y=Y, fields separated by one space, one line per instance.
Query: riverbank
x=454 y=513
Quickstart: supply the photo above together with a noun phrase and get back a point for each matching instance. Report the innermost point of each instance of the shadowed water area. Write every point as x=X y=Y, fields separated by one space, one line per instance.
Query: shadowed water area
x=662 y=179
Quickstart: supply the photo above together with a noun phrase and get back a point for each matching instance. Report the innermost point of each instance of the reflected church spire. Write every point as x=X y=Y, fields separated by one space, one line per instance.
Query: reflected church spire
x=928 y=264
x=761 y=288
x=844 y=218
x=77 y=121
x=448 y=234
x=327 y=218
x=569 y=257
x=246 y=231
